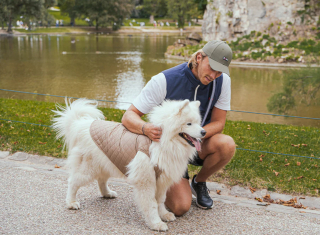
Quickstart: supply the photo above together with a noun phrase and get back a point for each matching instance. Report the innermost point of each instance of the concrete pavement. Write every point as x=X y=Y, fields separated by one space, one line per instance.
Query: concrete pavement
x=33 y=202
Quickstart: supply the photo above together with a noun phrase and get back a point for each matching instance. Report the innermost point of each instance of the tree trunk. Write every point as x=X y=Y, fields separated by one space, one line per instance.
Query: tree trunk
x=2 y=27
x=10 y=25
x=151 y=19
x=29 y=25
x=72 y=21
x=180 y=21
x=97 y=23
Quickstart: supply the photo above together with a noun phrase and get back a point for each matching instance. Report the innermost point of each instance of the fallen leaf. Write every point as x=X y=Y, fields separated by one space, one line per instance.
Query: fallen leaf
x=302 y=212
x=287 y=164
x=258 y=199
x=42 y=142
x=298 y=163
x=302 y=198
x=56 y=166
x=300 y=177
x=304 y=145
x=252 y=189
x=59 y=146
x=260 y=159
x=218 y=192
x=314 y=179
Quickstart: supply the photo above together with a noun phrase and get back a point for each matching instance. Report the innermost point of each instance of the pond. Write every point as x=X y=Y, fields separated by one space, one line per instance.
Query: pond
x=116 y=67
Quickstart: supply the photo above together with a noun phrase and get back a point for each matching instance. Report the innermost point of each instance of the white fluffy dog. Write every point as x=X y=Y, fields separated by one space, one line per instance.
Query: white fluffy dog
x=181 y=133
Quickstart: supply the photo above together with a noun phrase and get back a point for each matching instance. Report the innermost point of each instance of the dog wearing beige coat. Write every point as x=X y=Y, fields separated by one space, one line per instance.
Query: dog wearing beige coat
x=154 y=167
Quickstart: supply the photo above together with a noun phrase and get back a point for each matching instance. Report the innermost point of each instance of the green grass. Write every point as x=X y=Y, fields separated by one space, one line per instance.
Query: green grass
x=66 y=19
x=54 y=30
x=246 y=168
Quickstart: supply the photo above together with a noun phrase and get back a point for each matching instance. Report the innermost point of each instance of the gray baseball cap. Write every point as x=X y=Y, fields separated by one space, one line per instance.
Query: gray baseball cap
x=220 y=55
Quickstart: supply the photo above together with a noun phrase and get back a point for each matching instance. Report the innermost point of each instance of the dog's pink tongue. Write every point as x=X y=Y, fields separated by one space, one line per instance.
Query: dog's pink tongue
x=197 y=144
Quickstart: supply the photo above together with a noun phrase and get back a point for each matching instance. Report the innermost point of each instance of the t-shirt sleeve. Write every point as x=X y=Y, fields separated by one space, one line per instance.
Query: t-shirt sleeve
x=152 y=94
x=225 y=96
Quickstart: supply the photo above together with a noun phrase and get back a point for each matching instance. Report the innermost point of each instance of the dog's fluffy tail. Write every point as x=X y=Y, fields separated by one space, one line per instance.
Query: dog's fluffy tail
x=66 y=118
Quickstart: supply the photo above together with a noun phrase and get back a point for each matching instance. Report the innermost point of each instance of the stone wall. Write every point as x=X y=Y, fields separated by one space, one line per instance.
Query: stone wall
x=227 y=19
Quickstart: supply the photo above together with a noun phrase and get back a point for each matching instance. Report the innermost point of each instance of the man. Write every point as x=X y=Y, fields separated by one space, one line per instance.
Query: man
x=205 y=78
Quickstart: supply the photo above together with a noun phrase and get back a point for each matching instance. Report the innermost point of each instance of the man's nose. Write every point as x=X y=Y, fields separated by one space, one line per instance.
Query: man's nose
x=215 y=74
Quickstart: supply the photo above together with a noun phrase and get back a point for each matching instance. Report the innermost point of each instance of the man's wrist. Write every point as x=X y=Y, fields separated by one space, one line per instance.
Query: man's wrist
x=142 y=128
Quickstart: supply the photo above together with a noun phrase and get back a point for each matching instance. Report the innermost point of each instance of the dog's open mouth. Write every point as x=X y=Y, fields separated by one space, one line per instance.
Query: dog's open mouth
x=192 y=141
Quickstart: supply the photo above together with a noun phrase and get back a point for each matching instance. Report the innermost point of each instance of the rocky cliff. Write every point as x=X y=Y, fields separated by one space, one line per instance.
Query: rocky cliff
x=227 y=19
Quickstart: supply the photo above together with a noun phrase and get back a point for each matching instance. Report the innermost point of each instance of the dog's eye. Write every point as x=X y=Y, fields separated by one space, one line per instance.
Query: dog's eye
x=189 y=123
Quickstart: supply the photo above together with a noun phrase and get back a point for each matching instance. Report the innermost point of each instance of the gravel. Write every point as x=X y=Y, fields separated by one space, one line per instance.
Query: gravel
x=33 y=202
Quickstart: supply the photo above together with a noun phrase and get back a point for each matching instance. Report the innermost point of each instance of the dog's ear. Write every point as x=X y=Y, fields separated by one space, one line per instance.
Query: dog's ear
x=183 y=104
x=197 y=103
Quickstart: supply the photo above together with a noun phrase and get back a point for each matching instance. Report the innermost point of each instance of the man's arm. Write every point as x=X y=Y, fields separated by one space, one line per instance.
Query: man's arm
x=218 y=121
x=133 y=122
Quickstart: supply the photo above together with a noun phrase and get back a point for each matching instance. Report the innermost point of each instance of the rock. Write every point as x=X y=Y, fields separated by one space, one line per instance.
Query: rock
x=19 y=156
x=4 y=154
x=264 y=41
x=194 y=36
x=281 y=60
x=249 y=15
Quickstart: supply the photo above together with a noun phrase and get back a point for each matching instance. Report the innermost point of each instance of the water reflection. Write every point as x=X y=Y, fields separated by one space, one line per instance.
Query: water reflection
x=116 y=67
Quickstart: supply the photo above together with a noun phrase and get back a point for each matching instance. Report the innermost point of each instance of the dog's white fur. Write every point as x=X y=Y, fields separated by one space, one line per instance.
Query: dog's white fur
x=87 y=162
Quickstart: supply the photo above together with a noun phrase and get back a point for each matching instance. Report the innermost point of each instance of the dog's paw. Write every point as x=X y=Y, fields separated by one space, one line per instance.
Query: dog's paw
x=168 y=217
x=73 y=205
x=110 y=194
x=161 y=226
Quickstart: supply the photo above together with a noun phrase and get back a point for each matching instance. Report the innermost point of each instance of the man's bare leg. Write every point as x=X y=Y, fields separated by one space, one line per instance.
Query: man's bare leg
x=179 y=197
x=216 y=152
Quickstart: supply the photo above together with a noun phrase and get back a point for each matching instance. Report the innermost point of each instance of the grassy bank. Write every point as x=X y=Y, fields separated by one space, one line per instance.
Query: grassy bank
x=258 y=170
x=261 y=47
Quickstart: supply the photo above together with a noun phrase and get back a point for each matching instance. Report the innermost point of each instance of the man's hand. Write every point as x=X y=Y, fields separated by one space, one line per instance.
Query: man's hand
x=153 y=132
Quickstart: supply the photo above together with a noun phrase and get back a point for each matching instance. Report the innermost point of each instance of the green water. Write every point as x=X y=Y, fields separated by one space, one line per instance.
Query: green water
x=116 y=67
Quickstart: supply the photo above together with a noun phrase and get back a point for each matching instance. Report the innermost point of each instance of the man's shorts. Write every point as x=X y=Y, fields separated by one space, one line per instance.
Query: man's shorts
x=197 y=161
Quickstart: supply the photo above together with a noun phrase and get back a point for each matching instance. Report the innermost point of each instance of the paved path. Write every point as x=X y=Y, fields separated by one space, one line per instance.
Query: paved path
x=32 y=201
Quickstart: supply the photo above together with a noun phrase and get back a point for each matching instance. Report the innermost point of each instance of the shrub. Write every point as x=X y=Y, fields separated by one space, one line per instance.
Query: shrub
x=265 y=36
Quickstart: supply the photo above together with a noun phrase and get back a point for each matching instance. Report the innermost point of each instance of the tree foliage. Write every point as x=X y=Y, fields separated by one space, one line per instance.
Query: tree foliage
x=29 y=9
x=182 y=10
x=300 y=86
x=102 y=12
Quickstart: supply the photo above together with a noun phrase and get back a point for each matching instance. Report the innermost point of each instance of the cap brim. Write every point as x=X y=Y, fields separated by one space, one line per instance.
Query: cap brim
x=218 y=67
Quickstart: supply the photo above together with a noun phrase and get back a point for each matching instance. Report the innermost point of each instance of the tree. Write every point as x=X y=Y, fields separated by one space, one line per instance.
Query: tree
x=70 y=7
x=155 y=8
x=300 y=86
x=4 y=13
x=11 y=9
x=181 y=10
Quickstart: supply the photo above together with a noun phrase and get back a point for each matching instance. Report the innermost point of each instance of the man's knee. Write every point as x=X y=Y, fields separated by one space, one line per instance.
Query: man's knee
x=180 y=208
x=225 y=145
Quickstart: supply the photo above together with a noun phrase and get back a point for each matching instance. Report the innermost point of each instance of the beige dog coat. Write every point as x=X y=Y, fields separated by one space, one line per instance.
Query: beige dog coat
x=119 y=144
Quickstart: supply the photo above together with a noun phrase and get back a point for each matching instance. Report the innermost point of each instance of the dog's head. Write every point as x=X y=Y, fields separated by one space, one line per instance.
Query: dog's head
x=179 y=119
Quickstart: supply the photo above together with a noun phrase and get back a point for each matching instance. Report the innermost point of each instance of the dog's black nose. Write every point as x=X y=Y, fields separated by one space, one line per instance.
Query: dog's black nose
x=203 y=132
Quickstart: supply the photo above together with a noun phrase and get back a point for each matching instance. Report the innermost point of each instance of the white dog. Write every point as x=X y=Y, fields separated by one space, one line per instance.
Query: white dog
x=181 y=133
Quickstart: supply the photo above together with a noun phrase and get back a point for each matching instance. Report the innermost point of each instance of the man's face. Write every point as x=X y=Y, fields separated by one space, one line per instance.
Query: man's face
x=205 y=73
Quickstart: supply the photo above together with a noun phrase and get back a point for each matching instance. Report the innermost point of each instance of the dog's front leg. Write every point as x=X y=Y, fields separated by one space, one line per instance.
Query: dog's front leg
x=163 y=183
x=141 y=174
